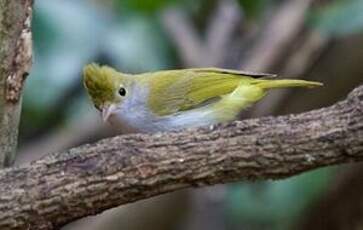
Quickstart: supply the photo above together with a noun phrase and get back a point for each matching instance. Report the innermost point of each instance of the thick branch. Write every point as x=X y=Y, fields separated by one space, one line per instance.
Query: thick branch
x=86 y=180
x=15 y=62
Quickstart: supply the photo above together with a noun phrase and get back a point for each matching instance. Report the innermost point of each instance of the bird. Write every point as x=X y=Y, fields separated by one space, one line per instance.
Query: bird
x=168 y=100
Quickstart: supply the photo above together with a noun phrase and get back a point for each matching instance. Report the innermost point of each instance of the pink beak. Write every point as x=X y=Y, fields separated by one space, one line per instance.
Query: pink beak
x=107 y=111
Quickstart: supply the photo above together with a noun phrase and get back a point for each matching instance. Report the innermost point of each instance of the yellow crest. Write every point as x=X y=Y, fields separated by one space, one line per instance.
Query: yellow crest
x=101 y=83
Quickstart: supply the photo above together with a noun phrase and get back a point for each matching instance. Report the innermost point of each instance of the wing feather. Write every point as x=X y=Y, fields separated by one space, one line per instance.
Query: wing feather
x=234 y=72
x=174 y=91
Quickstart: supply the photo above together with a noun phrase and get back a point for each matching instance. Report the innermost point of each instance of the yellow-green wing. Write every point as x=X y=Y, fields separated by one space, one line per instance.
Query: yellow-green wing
x=234 y=72
x=179 y=90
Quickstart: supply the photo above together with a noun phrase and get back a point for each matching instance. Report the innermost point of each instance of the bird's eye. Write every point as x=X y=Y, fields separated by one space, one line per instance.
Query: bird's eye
x=122 y=91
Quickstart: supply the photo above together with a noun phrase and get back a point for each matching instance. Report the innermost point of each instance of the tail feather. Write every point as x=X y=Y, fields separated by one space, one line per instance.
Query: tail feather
x=269 y=84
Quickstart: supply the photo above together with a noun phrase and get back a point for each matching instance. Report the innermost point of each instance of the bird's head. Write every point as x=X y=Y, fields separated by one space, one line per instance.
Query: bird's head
x=106 y=87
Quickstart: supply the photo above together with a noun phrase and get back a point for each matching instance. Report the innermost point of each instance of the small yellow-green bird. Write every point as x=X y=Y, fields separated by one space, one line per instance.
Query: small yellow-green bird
x=176 y=99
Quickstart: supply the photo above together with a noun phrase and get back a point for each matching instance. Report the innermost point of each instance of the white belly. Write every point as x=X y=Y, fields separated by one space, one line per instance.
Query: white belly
x=134 y=115
x=144 y=121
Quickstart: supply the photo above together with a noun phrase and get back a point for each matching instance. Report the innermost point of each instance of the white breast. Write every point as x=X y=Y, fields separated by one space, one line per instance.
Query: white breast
x=135 y=114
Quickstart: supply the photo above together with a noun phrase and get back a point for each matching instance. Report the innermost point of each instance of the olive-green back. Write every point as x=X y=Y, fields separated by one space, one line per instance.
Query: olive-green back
x=179 y=90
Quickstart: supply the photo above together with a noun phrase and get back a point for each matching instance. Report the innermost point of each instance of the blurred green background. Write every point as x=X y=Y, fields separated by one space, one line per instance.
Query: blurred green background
x=144 y=35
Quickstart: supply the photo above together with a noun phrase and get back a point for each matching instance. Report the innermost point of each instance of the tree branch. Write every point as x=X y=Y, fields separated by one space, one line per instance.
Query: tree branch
x=184 y=35
x=192 y=48
x=277 y=35
x=15 y=62
x=89 y=179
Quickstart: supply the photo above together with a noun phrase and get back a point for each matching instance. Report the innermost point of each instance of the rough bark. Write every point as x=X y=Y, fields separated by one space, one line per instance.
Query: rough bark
x=15 y=62
x=86 y=180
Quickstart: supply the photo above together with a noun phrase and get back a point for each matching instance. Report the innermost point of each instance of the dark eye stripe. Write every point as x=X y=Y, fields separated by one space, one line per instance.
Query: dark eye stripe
x=122 y=92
